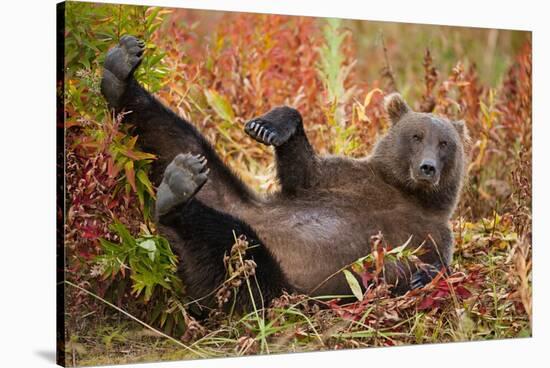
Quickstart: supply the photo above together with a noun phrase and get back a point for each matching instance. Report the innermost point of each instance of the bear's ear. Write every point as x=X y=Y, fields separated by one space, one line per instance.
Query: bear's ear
x=396 y=107
x=463 y=132
x=460 y=127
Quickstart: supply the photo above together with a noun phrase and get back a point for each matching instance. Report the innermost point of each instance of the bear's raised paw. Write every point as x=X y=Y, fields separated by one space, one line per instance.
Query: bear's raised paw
x=275 y=127
x=183 y=178
x=123 y=59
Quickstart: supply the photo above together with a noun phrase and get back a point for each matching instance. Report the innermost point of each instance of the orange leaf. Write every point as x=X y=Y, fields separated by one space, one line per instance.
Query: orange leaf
x=130 y=174
x=136 y=155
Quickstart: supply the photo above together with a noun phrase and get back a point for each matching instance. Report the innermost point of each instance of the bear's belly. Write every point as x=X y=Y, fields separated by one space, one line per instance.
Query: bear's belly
x=313 y=242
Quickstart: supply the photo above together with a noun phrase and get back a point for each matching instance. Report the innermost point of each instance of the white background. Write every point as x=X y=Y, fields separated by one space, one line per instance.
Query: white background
x=27 y=180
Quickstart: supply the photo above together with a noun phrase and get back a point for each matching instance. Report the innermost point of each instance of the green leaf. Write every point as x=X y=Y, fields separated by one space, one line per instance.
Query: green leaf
x=109 y=246
x=140 y=195
x=221 y=106
x=151 y=17
x=354 y=285
x=142 y=177
x=153 y=60
x=151 y=247
x=124 y=234
x=401 y=248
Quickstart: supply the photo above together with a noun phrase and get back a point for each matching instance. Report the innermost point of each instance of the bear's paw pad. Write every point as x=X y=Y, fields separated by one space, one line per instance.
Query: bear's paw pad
x=123 y=59
x=186 y=174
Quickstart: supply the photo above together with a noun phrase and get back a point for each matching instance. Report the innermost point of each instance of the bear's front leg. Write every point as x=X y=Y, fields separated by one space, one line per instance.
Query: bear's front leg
x=282 y=127
x=276 y=127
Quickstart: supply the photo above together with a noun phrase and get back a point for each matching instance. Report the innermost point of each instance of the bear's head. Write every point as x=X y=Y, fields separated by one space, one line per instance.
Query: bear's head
x=423 y=154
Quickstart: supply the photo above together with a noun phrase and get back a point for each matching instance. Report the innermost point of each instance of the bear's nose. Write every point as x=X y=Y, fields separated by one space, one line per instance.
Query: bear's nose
x=428 y=168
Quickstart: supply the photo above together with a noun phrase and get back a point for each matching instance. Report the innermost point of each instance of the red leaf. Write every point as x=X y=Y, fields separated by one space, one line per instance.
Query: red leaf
x=427 y=303
x=440 y=294
x=462 y=292
x=366 y=278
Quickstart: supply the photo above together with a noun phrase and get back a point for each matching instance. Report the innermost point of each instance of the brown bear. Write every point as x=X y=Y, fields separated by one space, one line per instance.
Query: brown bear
x=327 y=209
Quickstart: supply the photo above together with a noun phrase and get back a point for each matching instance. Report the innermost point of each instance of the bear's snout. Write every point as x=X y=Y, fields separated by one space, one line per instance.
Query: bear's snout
x=427 y=168
x=427 y=171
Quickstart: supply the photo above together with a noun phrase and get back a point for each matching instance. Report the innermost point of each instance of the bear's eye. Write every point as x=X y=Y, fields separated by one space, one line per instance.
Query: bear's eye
x=443 y=144
x=417 y=138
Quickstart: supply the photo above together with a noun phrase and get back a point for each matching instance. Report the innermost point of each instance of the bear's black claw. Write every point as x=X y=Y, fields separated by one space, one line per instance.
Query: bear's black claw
x=276 y=127
x=424 y=276
x=262 y=132
x=266 y=132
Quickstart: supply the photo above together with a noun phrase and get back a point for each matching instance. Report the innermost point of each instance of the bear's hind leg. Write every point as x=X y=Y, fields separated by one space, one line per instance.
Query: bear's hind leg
x=202 y=236
x=183 y=178
x=160 y=131
x=120 y=64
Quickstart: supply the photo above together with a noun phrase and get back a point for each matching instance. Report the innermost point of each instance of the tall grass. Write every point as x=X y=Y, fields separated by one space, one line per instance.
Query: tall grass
x=334 y=71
